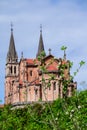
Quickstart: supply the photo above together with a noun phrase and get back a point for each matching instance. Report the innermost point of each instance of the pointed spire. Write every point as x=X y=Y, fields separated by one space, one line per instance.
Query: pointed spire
x=41 y=45
x=12 y=54
x=49 y=51
x=22 y=55
x=40 y=28
x=11 y=27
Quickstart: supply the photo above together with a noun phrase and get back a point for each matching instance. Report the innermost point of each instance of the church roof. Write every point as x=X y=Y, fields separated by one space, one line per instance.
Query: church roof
x=52 y=68
x=12 y=54
x=41 y=44
x=30 y=61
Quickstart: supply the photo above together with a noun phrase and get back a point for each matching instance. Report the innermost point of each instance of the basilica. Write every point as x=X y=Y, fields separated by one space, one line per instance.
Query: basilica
x=31 y=80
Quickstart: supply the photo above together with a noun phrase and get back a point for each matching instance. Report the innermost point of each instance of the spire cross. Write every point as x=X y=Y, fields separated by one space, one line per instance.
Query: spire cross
x=11 y=27
x=49 y=51
x=22 y=55
x=40 y=28
x=64 y=55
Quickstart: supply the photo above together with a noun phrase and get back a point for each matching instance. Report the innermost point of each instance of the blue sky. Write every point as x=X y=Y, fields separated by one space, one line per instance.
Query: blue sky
x=64 y=23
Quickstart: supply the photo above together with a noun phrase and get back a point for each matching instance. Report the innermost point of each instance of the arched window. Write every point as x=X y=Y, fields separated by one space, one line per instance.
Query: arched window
x=54 y=86
x=11 y=69
x=30 y=72
x=14 y=69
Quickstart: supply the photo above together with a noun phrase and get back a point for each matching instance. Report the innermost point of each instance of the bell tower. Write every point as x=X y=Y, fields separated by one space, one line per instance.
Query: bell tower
x=12 y=69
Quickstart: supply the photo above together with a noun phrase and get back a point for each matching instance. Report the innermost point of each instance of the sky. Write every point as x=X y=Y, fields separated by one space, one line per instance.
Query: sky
x=64 y=22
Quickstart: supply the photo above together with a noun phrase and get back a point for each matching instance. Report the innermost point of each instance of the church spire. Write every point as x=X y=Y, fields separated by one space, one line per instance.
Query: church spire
x=12 y=54
x=41 y=45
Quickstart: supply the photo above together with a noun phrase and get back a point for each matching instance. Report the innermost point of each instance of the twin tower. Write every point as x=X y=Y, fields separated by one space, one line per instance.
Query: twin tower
x=23 y=79
x=12 y=57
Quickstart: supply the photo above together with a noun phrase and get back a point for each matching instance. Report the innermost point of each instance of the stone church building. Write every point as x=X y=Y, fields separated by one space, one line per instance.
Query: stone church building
x=24 y=79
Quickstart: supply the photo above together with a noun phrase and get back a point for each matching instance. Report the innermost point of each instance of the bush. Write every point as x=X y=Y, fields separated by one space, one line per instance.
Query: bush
x=69 y=114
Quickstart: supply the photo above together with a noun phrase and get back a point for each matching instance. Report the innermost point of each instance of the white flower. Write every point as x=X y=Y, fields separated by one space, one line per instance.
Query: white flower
x=71 y=115
x=72 y=110
x=67 y=113
x=79 y=107
x=56 y=119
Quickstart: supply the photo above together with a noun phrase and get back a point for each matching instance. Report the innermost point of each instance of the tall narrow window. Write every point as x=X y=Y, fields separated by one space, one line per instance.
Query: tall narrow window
x=49 y=85
x=40 y=92
x=14 y=69
x=72 y=90
x=27 y=76
x=30 y=72
x=11 y=69
x=67 y=92
x=54 y=86
x=59 y=89
x=36 y=91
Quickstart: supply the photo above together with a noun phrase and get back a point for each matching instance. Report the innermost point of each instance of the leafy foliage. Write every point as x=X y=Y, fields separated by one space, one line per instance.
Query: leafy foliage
x=63 y=48
x=69 y=114
x=63 y=114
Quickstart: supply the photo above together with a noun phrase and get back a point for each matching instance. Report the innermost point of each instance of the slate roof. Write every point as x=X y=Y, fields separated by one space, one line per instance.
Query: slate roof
x=12 y=54
x=41 y=45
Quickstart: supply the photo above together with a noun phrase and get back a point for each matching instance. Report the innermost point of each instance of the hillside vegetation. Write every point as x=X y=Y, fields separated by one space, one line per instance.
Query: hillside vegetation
x=69 y=114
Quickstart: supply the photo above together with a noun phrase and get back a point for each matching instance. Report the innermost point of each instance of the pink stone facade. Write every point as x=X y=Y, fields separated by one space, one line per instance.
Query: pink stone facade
x=25 y=81
x=26 y=85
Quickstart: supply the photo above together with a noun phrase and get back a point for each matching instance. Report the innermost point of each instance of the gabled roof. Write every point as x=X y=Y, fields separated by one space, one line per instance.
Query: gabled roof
x=52 y=68
x=30 y=61
x=48 y=56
